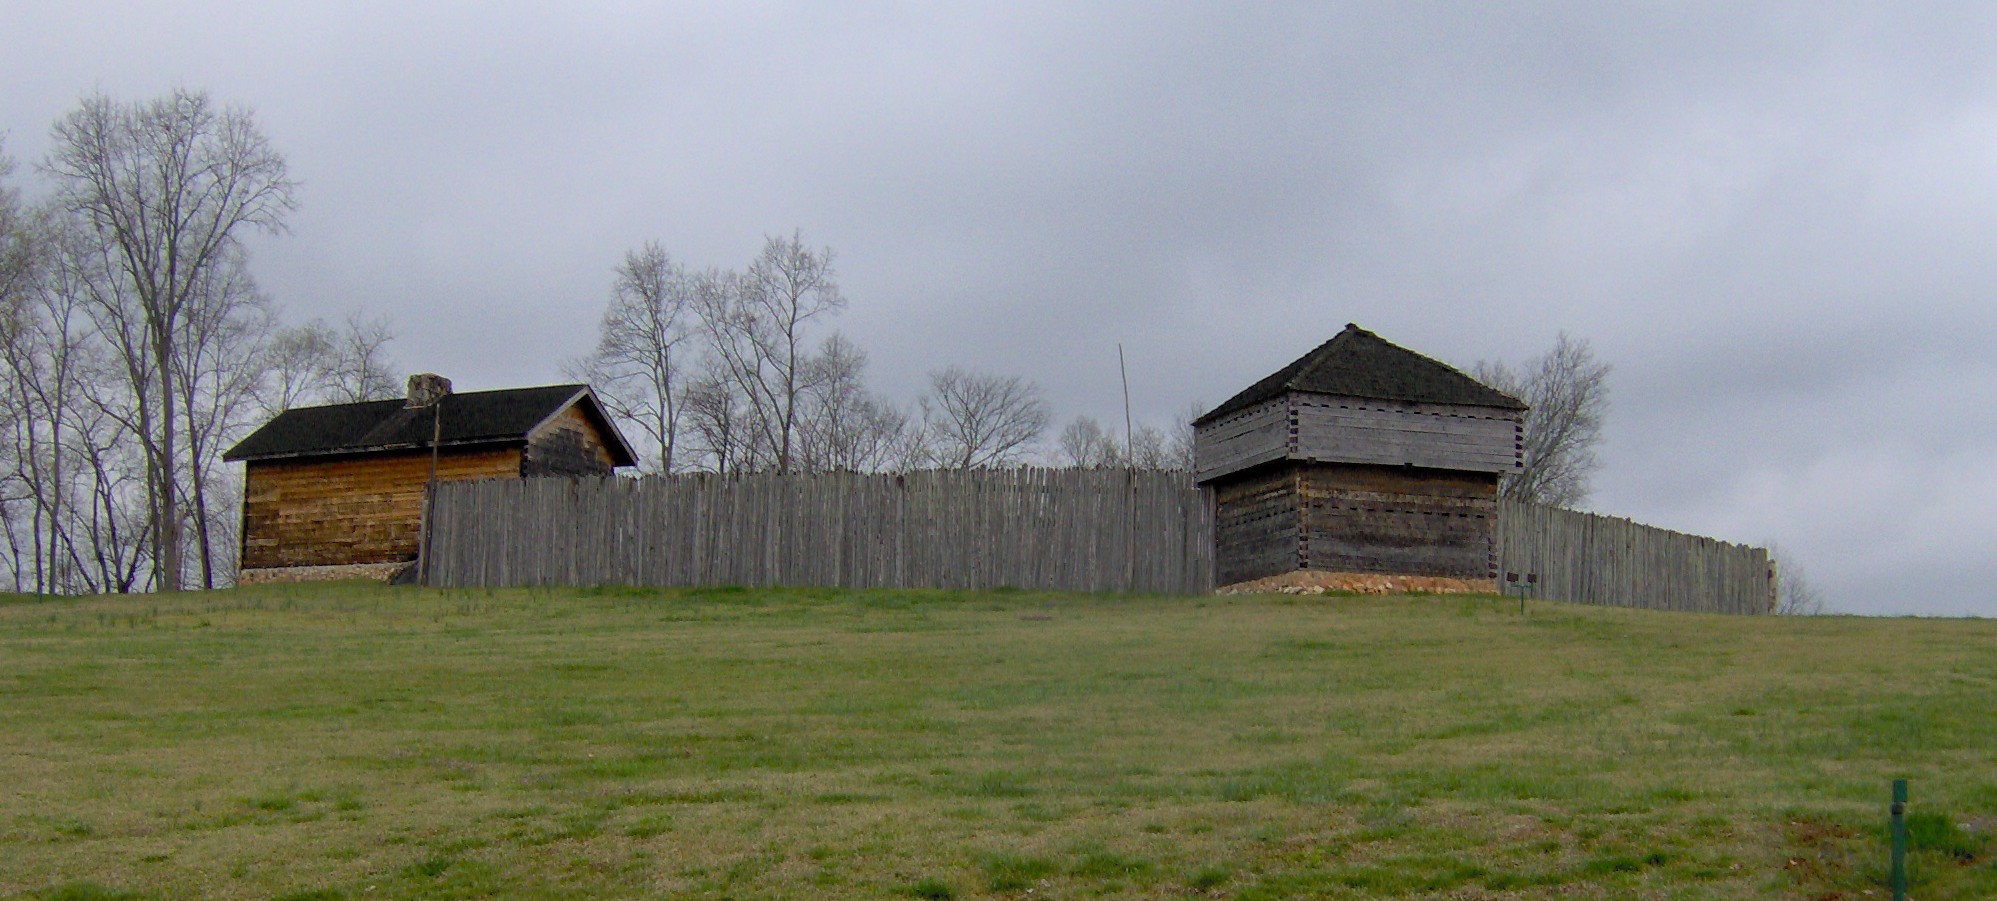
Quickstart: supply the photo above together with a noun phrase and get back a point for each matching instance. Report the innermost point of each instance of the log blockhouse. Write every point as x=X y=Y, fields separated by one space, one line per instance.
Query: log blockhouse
x=337 y=491
x=1360 y=458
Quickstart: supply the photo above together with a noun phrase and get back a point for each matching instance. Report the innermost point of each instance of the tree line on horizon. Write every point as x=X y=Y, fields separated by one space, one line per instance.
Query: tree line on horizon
x=136 y=347
x=738 y=370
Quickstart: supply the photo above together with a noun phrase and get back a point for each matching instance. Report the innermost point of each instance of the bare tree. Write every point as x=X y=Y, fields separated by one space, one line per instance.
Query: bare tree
x=169 y=185
x=636 y=364
x=845 y=426
x=1796 y=593
x=1086 y=445
x=68 y=438
x=981 y=420
x=21 y=483
x=18 y=254
x=104 y=403
x=714 y=413
x=298 y=362
x=1568 y=392
x=360 y=369
x=1147 y=449
x=217 y=385
x=1179 y=439
x=758 y=325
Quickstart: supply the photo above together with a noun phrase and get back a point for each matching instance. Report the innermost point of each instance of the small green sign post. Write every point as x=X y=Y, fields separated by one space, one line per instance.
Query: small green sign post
x=1899 y=840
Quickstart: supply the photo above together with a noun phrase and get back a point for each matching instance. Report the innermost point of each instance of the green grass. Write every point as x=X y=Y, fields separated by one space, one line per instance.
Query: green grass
x=329 y=742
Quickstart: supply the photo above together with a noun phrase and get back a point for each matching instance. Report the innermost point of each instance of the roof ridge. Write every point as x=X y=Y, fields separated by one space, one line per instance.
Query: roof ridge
x=1357 y=362
x=1323 y=353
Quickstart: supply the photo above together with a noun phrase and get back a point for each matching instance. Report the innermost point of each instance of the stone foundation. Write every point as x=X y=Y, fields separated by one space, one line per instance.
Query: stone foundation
x=1314 y=582
x=378 y=572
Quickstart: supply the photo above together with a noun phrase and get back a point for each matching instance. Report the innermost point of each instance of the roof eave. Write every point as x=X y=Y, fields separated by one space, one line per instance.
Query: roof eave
x=233 y=457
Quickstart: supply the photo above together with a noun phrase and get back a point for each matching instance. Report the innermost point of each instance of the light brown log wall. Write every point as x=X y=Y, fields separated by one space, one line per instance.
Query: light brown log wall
x=1070 y=530
x=1592 y=559
x=324 y=511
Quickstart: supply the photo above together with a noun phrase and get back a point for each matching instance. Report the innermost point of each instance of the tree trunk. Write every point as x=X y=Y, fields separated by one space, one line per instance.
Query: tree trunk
x=167 y=564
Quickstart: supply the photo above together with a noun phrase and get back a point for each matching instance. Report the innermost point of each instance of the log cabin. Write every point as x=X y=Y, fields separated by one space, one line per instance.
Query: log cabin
x=1361 y=458
x=336 y=492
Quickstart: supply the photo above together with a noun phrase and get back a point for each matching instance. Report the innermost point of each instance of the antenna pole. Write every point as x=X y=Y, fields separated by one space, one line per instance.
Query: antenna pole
x=1129 y=449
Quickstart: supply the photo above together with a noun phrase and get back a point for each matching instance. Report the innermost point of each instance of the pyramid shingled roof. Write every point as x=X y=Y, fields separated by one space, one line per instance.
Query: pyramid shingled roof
x=472 y=418
x=1358 y=363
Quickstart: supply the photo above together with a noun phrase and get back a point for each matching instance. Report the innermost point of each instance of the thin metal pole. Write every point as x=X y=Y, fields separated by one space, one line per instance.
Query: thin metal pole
x=1129 y=451
x=1130 y=480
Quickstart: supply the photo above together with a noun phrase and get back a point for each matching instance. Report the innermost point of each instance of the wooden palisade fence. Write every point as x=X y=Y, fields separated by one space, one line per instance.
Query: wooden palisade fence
x=1591 y=559
x=1063 y=529
x=1147 y=531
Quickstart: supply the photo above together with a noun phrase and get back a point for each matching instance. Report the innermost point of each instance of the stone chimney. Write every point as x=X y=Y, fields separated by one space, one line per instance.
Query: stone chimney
x=426 y=388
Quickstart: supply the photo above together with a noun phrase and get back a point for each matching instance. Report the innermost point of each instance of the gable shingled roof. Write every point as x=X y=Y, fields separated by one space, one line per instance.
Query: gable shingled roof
x=475 y=417
x=1358 y=363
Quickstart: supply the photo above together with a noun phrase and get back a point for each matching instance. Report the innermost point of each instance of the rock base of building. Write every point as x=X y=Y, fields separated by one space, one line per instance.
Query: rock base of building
x=375 y=572
x=1315 y=582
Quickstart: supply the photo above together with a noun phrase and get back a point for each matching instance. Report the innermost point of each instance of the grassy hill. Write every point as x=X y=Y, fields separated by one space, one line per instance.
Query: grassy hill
x=363 y=742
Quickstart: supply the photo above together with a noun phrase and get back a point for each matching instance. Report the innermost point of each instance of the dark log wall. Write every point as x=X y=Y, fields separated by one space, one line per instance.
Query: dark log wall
x=1398 y=520
x=1257 y=525
x=568 y=445
x=349 y=510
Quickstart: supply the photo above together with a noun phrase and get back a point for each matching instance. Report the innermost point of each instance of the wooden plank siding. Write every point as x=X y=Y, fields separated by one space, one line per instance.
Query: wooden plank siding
x=1327 y=428
x=1242 y=440
x=1332 y=429
x=348 y=510
x=1076 y=530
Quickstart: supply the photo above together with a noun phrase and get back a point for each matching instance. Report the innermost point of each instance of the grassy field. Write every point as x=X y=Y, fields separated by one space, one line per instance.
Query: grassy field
x=362 y=742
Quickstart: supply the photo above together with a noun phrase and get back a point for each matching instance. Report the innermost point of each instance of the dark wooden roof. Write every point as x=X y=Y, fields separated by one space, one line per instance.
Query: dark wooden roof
x=473 y=418
x=1358 y=363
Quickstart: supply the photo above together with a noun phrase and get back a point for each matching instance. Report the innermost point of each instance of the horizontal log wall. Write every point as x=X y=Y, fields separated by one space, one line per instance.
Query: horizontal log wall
x=1257 y=525
x=1071 y=530
x=1398 y=520
x=343 y=511
x=1591 y=559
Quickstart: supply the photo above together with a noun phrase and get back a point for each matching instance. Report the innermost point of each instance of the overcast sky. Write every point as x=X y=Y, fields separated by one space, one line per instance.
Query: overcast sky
x=1776 y=222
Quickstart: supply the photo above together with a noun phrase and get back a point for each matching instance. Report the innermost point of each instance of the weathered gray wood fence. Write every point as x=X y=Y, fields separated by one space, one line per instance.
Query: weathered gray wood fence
x=1064 y=529
x=1591 y=559
x=1059 y=529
